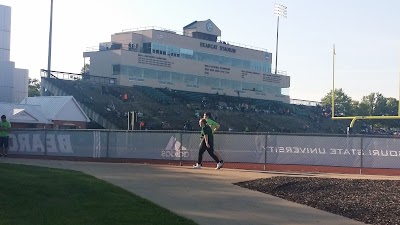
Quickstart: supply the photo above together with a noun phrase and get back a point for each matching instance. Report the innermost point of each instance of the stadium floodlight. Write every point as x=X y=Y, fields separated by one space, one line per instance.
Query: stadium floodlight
x=279 y=10
x=50 y=37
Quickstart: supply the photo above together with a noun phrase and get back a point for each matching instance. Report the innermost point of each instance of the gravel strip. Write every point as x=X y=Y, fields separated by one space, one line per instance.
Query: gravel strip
x=368 y=201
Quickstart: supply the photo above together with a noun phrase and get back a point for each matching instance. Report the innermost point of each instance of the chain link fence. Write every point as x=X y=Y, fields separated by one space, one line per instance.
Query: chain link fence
x=182 y=147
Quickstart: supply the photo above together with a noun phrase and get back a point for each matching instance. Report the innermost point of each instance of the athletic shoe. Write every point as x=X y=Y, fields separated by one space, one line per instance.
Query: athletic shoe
x=197 y=166
x=219 y=165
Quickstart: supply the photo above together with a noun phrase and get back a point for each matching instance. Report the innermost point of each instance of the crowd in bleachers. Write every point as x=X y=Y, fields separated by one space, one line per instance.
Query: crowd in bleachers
x=163 y=108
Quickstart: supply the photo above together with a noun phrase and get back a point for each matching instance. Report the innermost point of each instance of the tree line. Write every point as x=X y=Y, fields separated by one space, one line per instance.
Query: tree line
x=373 y=104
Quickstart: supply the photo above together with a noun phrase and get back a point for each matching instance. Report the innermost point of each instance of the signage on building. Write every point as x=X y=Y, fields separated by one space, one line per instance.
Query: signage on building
x=214 y=46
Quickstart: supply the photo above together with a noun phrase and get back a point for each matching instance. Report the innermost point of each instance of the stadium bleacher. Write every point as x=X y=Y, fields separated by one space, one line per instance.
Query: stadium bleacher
x=166 y=109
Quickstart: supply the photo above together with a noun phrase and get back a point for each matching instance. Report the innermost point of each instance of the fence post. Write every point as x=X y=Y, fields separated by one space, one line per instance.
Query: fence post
x=265 y=151
x=108 y=143
x=180 y=148
x=45 y=141
x=362 y=154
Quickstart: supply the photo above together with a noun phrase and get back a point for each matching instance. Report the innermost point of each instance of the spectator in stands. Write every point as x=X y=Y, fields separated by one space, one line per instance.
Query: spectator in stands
x=258 y=125
x=125 y=97
x=188 y=125
x=207 y=144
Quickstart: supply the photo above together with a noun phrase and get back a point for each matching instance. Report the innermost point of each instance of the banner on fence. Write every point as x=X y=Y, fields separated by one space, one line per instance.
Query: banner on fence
x=247 y=148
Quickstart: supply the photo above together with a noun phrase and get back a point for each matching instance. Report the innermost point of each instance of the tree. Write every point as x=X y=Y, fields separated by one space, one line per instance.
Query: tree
x=85 y=69
x=374 y=104
x=392 y=106
x=392 y=109
x=343 y=103
x=33 y=87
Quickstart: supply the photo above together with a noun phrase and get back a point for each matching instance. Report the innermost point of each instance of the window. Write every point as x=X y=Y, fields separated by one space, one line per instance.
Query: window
x=147 y=48
x=150 y=74
x=116 y=69
x=190 y=79
x=231 y=84
x=176 y=77
x=137 y=74
x=206 y=57
x=164 y=75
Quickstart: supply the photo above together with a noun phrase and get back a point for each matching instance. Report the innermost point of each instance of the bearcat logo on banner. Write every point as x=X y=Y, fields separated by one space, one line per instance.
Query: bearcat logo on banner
x=174 y=150
x=28 y=142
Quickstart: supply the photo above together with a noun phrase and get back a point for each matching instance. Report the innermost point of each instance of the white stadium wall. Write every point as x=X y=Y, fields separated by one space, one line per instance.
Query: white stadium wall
x=7 y=83
x=13 y=82
x=21 y=80
x=5 y=28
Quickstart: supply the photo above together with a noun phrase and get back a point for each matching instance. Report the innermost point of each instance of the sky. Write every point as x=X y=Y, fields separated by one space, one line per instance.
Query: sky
x=365 y=32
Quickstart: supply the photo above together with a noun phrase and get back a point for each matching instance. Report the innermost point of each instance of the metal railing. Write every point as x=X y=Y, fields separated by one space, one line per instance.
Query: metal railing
x=304 y=102
x=77 y=76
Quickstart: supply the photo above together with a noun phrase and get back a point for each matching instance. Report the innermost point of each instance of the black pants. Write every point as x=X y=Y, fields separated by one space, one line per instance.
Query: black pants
x=3 y=145
x=210 y=150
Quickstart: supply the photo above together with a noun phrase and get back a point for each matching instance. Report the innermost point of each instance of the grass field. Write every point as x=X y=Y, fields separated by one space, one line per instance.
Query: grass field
x=40 y=196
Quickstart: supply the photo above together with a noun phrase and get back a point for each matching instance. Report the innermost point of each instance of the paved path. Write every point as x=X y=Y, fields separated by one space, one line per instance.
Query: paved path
x=206 y=196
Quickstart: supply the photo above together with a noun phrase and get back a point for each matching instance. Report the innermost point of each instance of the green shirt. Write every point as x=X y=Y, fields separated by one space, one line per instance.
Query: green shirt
x=5 y=133
x=212 y=124
x=206 y=130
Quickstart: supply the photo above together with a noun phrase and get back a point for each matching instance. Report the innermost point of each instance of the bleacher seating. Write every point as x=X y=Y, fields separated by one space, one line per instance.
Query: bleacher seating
x=163 y=108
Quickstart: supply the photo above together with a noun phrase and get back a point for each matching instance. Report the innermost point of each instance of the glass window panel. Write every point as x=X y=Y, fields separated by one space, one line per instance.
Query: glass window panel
x=135 y=71
x=150 y=74
x=176 y=77
x=206 y=81
x=230 y=84
x=247 y=86
x=190 y=79
x=117 y=69
x=164 y=75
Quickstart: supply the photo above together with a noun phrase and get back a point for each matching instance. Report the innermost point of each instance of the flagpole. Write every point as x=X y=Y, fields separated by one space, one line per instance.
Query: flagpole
x=50 y=39
x=333 y=82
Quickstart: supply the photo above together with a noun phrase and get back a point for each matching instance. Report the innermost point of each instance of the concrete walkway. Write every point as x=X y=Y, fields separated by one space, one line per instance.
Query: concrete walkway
x=206 y=196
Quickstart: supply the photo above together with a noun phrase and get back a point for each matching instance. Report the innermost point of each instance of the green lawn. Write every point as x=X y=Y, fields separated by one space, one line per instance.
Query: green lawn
x=40 y=196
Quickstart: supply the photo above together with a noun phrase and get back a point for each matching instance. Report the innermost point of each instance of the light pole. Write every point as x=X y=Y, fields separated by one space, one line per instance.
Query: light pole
x=279 y=10
x=50 y=37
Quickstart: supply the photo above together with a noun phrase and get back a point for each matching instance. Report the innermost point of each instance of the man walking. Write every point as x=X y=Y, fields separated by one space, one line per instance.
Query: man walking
x=207 y=144
x=214 y=127
x=5 y=128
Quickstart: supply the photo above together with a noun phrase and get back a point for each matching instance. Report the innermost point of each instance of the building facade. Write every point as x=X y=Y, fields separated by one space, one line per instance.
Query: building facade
x=194 y=61
x=13 y=81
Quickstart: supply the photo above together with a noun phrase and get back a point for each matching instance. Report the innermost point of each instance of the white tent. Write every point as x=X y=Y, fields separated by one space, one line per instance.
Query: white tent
x=19 y=113
x=63 y=108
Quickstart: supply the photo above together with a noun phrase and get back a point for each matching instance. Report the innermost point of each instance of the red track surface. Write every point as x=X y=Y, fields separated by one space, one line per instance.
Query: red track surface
x=233 y=165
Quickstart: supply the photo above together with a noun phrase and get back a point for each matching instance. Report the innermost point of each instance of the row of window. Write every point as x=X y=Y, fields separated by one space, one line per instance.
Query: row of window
x=194 y=80
x=206 y=57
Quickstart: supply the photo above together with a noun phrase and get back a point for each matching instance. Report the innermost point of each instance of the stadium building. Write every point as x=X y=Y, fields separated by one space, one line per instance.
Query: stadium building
x=13 y=81
x=196 y=61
